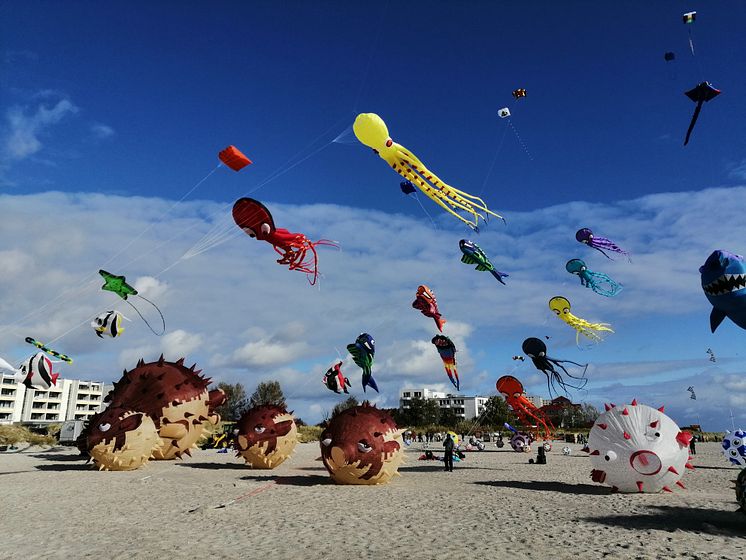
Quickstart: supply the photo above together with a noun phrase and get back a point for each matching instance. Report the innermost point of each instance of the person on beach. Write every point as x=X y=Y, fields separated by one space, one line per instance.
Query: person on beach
x=692 y=446
x=448 y=458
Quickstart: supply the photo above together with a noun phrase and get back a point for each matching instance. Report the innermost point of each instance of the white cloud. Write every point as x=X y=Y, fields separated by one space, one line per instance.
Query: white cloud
x=26 y=127
x=102 y=131
x=738 y=171
x=150 y=287
x=179 y=343
x=242 y=317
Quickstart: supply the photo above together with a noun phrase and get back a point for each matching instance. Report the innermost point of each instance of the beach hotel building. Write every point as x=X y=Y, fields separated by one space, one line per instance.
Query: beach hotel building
x=465 y=407
x=70 y=399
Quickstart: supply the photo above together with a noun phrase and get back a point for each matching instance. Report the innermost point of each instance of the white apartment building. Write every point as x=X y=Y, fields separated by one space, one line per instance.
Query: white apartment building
x=70 y=399
x=12 y=393
x=538 y=401
x=464 y=407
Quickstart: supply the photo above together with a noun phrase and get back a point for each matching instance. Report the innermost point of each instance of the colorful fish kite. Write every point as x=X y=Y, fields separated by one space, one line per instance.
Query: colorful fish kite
x=233 y=158
x=37 y=371
x=473 y=254
x=119 y=286
x=427 y=304
x=363 y=351
x=585 y=235
x=108 y=323
x=561 y=307
x=597 y=281
x=535 y=349
x=700 y=94
x=447 y=352
x=295 y=249
x=335 y=380
x=43 y=348
x=370 y=129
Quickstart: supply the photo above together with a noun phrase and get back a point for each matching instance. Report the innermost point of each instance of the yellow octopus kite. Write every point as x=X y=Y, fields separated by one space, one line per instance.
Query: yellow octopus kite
x=372 y=131
x=561 y=308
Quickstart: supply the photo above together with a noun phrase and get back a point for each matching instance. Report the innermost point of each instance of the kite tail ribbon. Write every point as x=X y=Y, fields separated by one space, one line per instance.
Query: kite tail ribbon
x=697 y=109
x=163 y=320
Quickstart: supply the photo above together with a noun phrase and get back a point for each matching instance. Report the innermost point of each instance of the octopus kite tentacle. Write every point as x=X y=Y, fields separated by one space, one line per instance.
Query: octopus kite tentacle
x=512 y=391
x=296 y=250
x=372 y=131
x=585 y=235
x=535 y=349
x=561 y=308
x=599 y=282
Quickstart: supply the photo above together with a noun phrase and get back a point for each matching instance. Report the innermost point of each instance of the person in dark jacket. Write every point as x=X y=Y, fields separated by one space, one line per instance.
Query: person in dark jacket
x=448 y=458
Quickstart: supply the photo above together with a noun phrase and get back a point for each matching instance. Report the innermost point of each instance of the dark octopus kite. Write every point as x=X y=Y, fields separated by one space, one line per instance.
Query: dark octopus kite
x=254 y=218
x=701 y=93
x=535 y=349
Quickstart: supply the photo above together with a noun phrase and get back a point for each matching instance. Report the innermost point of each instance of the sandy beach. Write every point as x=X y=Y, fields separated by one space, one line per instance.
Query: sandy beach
x=493 y=505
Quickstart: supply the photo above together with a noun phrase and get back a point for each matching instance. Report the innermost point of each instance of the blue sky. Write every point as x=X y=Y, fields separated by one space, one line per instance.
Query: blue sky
x=133 y=100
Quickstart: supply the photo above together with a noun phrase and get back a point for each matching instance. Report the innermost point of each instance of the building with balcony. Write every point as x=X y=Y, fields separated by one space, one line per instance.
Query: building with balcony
x=464 y=407
x=69 y=399
x=12 y=393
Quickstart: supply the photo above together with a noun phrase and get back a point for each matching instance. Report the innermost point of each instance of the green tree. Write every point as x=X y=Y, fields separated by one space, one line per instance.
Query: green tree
x=430 y=413
x=235 y=403
x=496 y=412
x=588 y=414
x=448 y=417
x=349 y=402
x=417 y=411
x=267 y=392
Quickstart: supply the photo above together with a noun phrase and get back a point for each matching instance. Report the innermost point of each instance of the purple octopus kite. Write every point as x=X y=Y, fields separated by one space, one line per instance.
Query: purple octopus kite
x=586 y=236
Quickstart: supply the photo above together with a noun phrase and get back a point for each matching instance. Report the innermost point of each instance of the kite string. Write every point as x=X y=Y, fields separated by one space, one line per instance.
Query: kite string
x=373 y=48
x=494 y=161
x=78 y=290
x=222 y=233
x=520 y=141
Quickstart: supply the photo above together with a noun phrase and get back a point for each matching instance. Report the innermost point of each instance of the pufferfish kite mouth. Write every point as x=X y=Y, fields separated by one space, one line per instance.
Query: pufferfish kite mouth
x=725 y=284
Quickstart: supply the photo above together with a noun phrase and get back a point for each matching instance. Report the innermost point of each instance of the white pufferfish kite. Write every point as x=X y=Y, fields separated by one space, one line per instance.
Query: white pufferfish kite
x=372 y=131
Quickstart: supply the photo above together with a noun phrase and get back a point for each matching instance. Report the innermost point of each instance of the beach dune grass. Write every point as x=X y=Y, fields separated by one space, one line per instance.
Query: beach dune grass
x=12 y=435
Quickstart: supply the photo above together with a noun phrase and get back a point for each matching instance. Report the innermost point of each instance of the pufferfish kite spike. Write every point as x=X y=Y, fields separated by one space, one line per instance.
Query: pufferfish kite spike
x=370 y=130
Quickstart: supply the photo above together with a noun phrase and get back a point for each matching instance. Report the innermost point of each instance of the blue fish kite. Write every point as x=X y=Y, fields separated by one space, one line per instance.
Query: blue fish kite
x=473 y=254
x=724 y=283
x=363 y=350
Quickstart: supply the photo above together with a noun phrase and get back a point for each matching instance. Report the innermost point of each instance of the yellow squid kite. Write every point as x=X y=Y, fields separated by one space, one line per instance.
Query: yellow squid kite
x=372 y=131
x=561 y=308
